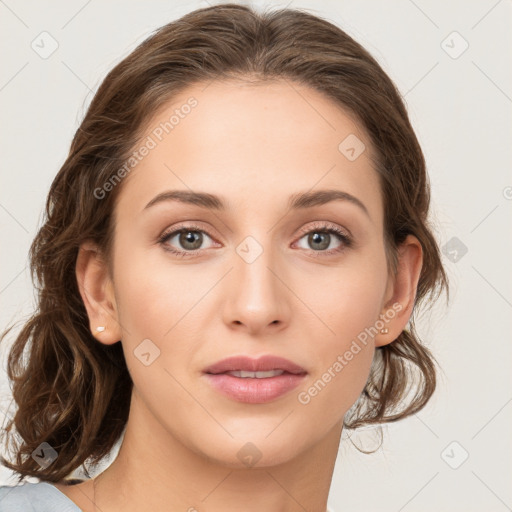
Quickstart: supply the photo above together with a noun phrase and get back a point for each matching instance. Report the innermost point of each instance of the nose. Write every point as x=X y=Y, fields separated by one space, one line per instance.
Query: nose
x=257 y=299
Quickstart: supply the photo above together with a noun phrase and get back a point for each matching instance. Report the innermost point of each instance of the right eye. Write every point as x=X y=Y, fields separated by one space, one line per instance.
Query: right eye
x=190 y=238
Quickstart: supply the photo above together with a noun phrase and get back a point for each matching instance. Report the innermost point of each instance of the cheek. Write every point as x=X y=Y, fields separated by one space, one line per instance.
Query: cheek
x=156 y=301
x=344 y=358
x=349 y=303
x=347 y=299
x=330 y=393
x=154 y=293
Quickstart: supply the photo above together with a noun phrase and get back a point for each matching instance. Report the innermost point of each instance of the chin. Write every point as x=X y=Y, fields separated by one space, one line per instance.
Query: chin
x=255 y=452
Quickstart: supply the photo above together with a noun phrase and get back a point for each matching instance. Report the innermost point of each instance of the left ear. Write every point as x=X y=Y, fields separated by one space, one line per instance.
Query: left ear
x=401 y=291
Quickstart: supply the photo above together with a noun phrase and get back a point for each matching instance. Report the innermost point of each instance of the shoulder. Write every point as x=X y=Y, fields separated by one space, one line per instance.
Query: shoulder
x=35 y=497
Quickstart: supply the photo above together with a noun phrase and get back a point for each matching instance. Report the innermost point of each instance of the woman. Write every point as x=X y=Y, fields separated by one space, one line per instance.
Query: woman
x=233 y=254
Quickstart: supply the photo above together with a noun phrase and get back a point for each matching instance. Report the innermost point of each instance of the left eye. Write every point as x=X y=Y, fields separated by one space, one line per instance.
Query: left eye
x=320 y=240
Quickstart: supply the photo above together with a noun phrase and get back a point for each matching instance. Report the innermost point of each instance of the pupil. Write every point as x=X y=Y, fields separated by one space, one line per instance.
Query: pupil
x=188 y=238
x=316 y=238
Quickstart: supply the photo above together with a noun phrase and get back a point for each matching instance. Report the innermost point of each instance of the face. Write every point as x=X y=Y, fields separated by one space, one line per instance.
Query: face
x=256 y=272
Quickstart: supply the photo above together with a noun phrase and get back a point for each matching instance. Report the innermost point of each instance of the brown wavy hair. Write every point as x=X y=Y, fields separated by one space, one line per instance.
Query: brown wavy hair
x=73 y=392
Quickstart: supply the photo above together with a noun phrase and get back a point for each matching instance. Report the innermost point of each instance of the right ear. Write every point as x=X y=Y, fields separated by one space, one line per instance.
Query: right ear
x=97 y=291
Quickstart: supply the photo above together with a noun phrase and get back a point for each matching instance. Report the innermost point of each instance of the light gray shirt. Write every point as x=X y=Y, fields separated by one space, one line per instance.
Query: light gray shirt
x=35 y=497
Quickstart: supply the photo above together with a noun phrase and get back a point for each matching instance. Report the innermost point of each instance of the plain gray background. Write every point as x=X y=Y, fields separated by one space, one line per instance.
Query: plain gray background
x=460 y=103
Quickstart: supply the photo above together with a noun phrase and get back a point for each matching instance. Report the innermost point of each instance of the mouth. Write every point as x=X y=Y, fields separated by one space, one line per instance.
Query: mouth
x=254 y=381
x=243 y=374
x=255 y=368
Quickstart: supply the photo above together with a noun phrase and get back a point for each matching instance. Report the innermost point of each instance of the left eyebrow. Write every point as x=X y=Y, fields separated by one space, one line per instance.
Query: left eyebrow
x=301 y=200
x=320 y=197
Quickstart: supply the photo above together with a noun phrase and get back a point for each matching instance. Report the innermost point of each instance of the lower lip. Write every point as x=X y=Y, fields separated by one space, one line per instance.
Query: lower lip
x=252 y=390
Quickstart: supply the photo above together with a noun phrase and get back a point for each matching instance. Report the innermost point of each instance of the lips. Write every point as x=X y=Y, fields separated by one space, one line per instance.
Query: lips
x=254 y=381
x=262 y=364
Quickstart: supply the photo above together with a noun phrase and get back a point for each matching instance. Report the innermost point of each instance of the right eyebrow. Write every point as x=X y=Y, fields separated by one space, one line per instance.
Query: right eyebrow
x=202 y=199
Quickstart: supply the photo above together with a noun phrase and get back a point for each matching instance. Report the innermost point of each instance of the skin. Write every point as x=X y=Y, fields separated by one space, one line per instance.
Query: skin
x=254 y=145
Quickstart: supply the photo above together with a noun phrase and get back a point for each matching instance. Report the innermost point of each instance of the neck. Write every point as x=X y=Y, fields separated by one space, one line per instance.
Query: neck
x=156 y=471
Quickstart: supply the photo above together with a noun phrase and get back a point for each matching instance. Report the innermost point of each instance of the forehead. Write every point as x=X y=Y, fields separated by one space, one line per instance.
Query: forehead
x=253 y=143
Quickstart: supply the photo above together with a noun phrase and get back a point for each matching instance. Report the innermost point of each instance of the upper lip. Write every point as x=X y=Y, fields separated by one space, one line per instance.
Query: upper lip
x=260 y=364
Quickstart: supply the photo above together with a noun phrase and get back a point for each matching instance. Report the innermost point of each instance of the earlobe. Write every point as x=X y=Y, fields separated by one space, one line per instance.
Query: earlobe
x=97 y=292
x=402 y=291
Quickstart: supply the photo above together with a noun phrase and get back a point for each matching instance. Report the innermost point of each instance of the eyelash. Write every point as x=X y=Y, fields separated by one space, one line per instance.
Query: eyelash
x=316 y=228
